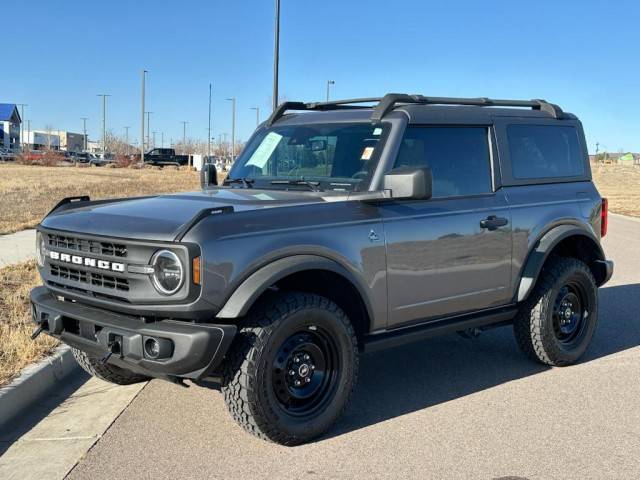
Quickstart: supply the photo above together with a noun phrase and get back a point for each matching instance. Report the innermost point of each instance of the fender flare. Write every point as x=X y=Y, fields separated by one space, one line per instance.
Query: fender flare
x=244 y=296
x=543 y=248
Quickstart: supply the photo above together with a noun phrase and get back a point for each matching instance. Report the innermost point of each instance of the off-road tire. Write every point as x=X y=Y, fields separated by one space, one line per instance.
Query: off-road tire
x=249 y=376
x=534 y=325
x=109 y=373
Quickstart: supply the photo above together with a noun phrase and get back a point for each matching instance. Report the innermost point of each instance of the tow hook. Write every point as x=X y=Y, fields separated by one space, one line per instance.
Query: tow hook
x=38 y=330
x=115 y=346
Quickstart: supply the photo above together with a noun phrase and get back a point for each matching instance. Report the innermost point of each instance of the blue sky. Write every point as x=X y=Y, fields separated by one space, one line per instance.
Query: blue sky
x=583 y=55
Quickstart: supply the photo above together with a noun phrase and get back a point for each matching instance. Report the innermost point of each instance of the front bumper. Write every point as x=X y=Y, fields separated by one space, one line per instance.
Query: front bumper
x=197 y=348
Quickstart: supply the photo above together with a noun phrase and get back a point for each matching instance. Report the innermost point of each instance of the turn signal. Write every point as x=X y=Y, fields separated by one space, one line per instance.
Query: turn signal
x=197 y=261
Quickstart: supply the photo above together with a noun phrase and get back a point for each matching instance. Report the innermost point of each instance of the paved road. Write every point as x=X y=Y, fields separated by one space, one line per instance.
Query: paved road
x=442 y=408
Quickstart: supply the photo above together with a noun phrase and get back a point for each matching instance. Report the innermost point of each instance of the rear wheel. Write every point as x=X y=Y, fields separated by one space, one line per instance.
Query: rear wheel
x=110 y=373
x=292 y=368
x=556 y=323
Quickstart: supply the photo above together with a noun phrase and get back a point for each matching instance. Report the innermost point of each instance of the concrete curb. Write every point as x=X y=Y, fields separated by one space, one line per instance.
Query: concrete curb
x=626 y=217
x=34 y=381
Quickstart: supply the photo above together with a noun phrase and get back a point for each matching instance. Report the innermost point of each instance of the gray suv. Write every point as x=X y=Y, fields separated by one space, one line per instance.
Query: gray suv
x=343 y=227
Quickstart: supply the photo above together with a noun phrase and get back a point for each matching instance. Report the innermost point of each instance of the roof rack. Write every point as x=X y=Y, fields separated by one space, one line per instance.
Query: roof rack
x=391 y=100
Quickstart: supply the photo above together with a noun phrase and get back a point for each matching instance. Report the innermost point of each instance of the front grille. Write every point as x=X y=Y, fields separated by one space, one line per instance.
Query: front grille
x=90 y=278
x=89 y=246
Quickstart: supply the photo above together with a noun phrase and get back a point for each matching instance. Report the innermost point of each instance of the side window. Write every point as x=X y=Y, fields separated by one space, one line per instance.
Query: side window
x=544 y=151
x=458 y=157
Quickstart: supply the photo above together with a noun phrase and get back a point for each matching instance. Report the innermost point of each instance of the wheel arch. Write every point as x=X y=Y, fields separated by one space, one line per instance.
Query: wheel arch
x=301 y=273
x=566 y=240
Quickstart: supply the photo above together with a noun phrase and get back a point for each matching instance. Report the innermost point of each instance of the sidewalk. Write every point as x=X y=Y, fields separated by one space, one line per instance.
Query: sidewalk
x=17 y=247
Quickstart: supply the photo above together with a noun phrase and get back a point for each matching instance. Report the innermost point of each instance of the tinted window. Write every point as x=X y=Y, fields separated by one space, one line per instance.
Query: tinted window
x=458 y=158
x=544 y=151
x=337 y=156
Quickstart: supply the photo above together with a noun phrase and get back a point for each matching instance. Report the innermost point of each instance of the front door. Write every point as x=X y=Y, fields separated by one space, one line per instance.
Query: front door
x=452 y=253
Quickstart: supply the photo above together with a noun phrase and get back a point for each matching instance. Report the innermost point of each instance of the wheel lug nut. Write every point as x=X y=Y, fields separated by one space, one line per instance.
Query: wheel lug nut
x=297 y=360
x=307 y=379
x=292 y=373
x=306 y=357
x=313 y=367
x=297 y=383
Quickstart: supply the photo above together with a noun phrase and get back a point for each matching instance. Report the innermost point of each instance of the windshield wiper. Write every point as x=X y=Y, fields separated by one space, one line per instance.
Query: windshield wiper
x=246 y=182
x=312 y=185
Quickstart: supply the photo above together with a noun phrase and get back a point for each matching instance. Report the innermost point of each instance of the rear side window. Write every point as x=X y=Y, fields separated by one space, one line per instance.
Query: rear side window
x=544 y=151
x=458 y=158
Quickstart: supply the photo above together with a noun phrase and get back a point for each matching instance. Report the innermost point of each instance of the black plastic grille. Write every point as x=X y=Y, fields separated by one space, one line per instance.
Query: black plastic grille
x=89 y=246
x=90 y=278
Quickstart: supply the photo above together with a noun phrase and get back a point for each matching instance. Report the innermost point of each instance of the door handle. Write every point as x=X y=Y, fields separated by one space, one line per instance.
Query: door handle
x=492 y=222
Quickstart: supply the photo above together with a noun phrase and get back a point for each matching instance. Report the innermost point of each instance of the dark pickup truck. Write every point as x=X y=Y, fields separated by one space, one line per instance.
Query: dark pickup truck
x=165 y=156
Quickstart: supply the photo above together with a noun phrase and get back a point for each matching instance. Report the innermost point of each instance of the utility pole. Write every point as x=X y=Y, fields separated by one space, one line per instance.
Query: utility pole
x=28 y=132
x=154 y=139
x=276 y=56
x=84 y=131
x=162 y=136
x=22 y=105
x=144 y=73
x=209 y=129
x=126 y=139
x=184 y=135
x=257 y=109
x=148 y=128
x=104 y=121
x=329 y=83
x=233 y=127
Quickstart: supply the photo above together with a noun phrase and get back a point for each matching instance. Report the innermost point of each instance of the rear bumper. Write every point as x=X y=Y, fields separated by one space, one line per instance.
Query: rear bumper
x=197 y=349
x=606 y=269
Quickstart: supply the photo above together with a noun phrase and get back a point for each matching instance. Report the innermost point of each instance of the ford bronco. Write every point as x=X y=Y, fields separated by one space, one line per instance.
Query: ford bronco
x=343 y=227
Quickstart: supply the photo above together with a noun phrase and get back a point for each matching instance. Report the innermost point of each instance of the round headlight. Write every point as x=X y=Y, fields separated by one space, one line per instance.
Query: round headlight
x=168 y=272
x=41 y=249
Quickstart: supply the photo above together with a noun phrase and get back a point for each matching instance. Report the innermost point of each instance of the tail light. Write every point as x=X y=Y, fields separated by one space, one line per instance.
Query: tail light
x=604 y=217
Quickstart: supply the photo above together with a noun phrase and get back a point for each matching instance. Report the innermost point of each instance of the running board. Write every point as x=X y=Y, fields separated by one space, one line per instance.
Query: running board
x=434 y=328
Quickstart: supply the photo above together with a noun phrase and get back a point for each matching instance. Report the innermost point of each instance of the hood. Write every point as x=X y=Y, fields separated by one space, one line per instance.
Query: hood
x=161 y=217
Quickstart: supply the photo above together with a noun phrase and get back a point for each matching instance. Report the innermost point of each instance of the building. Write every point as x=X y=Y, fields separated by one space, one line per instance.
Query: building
x=9 y=126
x=54 y=140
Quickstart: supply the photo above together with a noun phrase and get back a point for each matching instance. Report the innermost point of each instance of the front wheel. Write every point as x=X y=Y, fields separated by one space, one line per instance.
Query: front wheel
x=556 y=323
x=292 y=368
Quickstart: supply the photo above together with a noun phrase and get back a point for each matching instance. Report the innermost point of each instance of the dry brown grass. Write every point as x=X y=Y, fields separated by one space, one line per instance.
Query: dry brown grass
x=621 y=185
x=16 y=347
x=27 y=193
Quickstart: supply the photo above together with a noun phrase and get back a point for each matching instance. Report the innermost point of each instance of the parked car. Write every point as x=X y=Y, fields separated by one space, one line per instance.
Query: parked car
x=7 y=154
x=165 y=156
x=338 y=231
x=101 y=159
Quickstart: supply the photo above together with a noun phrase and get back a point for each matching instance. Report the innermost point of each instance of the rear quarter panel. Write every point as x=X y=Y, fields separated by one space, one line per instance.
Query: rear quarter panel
x=536 y=209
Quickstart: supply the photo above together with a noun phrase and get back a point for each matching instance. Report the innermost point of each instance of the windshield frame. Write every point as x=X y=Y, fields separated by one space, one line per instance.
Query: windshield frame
x=338 y=184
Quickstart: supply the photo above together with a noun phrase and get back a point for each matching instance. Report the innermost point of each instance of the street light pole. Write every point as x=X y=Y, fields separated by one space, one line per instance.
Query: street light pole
x=148 y=128
x=104 y=121
x=22 y=105
x=276 y=56
x=84 y=131
x=329 y=83
x=144 y=75
x=257 y=109
x=126 y=139
x=209 y=129
x=233 y=127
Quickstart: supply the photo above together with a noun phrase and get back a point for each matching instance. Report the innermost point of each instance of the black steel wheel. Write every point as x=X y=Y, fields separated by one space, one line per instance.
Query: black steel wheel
x=556 y=323
x=292 y=368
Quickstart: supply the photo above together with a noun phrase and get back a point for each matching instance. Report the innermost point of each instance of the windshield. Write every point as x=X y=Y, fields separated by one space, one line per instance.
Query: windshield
x=332 y=156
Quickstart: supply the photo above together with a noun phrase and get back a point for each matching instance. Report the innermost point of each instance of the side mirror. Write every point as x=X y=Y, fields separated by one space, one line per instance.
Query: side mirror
x=318 y=145
x=413 y=183
x=208 y=175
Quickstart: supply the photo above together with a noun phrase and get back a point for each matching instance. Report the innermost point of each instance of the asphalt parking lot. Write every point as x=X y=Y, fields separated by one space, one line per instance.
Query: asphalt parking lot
x=442 y=408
